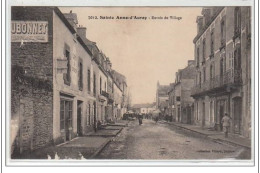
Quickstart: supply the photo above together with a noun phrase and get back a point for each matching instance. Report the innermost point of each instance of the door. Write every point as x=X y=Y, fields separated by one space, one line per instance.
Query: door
x=237 y=102
x=179 y=113
x=203 y=114
x=95 y=116
x=79 y=115
x=68 y=119
x=189 y=115
x=221 y=114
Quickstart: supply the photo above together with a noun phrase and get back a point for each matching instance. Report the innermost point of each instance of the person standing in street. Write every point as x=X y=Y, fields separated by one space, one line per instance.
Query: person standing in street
x=140 y=119
x=226 y=120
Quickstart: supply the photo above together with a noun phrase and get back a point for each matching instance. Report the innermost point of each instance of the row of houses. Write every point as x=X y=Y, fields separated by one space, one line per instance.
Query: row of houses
x=218 y=80
x=146 y=108
x=62 y=83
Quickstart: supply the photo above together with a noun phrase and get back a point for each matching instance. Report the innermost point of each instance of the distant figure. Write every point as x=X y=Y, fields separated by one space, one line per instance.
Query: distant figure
x=156 y=119
x=99 y=125
x=226 y=120
x=140 y=119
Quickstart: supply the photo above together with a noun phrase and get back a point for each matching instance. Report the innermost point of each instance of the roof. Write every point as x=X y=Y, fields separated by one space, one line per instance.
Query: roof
x=162 y=90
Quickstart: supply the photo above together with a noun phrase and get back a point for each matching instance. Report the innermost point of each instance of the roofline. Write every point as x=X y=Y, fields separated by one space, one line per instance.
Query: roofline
x=72 y=30
x=207 y=26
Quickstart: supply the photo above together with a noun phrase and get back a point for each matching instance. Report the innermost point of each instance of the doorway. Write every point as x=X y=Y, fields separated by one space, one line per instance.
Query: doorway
x=95 y=116
x=203 y=114
x=237 y=105
x=189 y=115
x=221 y=114
x=66 y=117
x=179 y=113
x=79 y=117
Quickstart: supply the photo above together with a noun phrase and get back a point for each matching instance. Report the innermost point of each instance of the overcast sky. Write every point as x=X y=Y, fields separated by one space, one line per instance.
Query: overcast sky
x=145 y=51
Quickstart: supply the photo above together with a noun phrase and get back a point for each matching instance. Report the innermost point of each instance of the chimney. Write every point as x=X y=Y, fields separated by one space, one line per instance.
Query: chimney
x=199 y=24
x=109 y=65
x=191 y=62
x=72 y=19
x=82 y=31
x=206 y=14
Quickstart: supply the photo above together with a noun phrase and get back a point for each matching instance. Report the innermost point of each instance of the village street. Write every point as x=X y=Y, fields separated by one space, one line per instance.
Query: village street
x=162 y=141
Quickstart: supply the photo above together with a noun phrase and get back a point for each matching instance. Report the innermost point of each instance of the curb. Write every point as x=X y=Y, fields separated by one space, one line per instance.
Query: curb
x=104 y=145
x=207 y=136
x=100 y=149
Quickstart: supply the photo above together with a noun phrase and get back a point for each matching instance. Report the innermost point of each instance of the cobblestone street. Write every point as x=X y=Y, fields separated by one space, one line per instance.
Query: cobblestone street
x=162 y=141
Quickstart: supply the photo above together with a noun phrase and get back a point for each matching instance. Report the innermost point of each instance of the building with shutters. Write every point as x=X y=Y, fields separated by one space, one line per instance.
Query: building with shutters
x=223 y=68
x=60 y=85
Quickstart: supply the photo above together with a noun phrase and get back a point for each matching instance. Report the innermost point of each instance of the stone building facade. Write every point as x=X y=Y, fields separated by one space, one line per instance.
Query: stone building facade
x=223 y=63
x=183 y=102
x=59 y=79
x=162 y=98
x=171 y=103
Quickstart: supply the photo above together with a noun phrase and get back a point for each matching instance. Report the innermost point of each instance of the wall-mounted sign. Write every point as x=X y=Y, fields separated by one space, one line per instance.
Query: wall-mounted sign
x=29 y=31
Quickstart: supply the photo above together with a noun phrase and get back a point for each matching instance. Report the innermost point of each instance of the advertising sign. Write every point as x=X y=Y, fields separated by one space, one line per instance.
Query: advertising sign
x=29 y=31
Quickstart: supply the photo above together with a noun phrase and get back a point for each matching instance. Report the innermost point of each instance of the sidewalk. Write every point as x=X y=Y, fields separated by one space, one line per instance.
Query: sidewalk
x=77 y=148
x=86 y=147
x=214 y=135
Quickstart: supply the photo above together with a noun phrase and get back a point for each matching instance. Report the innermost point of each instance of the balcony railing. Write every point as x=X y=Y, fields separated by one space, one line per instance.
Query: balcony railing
x=229 y=77
x=105 y=94
x=222 y=43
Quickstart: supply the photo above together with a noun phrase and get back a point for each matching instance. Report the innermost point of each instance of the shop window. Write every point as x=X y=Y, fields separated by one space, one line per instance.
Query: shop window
x=65 y=114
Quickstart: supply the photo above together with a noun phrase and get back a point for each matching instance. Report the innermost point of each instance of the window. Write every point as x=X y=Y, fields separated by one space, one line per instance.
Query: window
x=204 y=74
x=211 y=71
x=221 y=67
x=94 y=84
x=198 y=56
x=204 y=50
x=88 y=80
x=223 y=33
x=80 y=76
x=100 y=85
x=248 y=26
x=66 y=76
x=105 y=86
x=178 y=98
x=237 y=20
x=65 y=114
x=212 y=43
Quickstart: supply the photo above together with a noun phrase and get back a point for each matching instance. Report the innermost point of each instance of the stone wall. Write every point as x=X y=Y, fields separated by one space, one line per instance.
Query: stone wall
x=32 y=75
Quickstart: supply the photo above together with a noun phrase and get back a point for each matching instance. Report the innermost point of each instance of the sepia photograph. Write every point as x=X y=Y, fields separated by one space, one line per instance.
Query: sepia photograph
x=131 y=83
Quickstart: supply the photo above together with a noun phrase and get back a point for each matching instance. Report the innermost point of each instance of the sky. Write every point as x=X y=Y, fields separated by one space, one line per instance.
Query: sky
x=145 y=51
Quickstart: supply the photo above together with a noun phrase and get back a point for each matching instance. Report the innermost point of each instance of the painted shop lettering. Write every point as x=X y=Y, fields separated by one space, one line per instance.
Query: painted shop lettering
x=29 y=27
x=29 y=31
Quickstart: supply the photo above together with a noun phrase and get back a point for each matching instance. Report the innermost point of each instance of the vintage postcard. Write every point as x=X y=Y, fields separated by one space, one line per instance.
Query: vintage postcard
x=131 y=83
